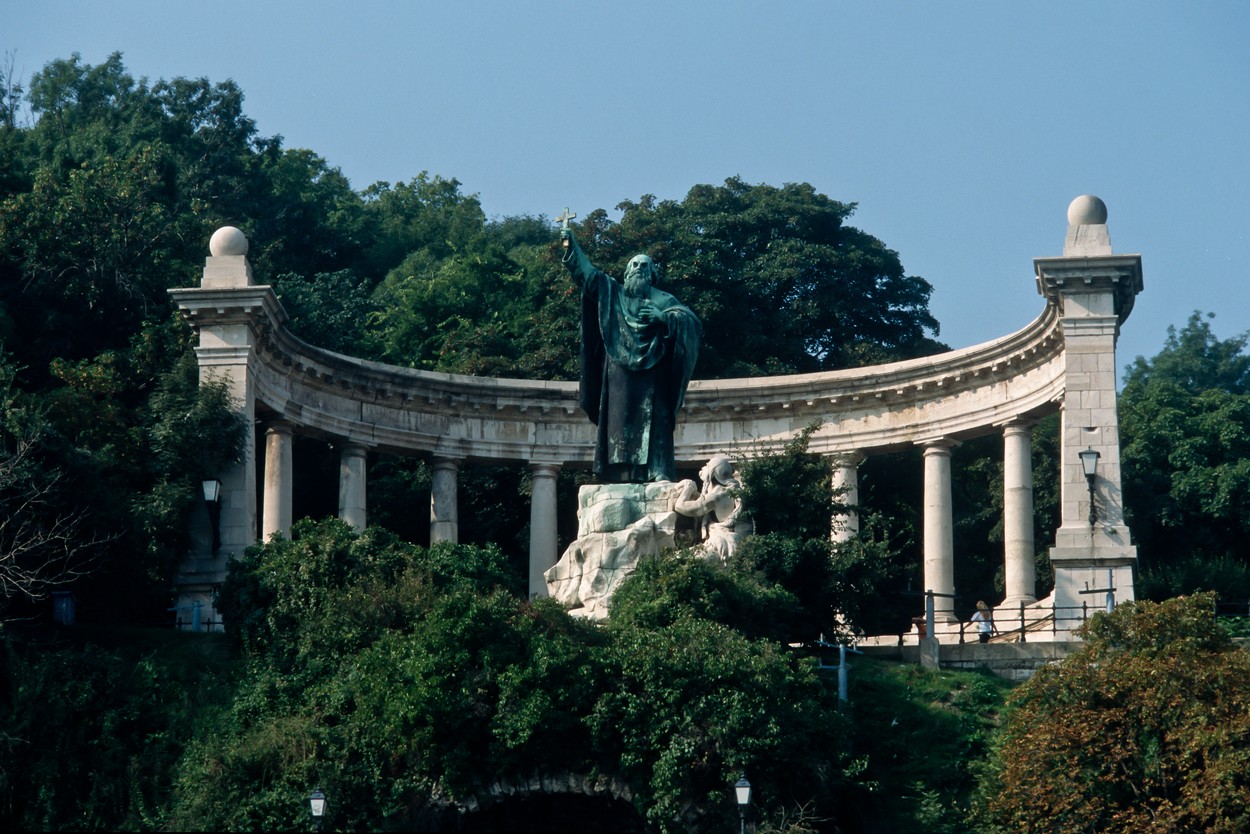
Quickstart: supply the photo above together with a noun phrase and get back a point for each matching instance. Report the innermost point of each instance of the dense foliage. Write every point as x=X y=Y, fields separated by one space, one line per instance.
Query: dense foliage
x=92 y=725
x=91 y=489
x=781 y=283
x=789 y=494
x=411 y=679
x=1186 y=427
x=1144 y=729
x=923 y=737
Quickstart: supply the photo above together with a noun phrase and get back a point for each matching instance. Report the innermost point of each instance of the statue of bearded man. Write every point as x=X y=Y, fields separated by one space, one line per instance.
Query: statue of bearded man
x=639 y=346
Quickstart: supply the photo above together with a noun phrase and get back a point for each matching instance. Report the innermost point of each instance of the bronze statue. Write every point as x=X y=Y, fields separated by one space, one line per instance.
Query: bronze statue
x=639 y=346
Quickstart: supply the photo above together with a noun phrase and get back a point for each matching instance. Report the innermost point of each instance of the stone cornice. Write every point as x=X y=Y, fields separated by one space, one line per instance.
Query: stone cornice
x=954 y=395
x=1121 y=275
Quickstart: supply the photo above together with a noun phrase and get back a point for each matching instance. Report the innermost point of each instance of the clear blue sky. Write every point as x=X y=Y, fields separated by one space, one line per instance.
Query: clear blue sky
x=961 y=129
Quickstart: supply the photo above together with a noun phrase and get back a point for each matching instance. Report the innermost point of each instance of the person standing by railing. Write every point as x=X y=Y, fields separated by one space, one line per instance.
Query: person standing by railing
x=984 y=620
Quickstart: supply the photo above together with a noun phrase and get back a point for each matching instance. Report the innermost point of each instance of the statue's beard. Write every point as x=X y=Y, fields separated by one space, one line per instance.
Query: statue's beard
x=637 y=286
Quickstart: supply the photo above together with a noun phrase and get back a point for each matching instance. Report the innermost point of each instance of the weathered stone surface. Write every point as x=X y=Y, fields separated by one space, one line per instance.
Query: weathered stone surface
x=617 y=524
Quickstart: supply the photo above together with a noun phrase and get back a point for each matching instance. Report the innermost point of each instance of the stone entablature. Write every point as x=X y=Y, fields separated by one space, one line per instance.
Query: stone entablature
x=392 y=409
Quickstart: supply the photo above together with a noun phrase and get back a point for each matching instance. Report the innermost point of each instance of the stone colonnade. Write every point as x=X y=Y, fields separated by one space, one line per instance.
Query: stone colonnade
x=939 y=571
x=1063 y=361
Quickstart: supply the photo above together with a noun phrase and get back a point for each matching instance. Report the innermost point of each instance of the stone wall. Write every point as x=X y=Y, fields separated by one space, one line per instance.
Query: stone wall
x=1013 y=661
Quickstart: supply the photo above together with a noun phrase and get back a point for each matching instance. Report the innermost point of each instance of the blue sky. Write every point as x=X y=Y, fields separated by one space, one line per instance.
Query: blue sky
x=961 y=129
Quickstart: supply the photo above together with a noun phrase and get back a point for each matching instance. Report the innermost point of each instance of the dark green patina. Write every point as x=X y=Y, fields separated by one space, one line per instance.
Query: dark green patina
x=639 y=346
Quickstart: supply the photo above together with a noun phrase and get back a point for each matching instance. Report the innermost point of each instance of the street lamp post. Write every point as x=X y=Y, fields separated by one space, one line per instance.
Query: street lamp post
x=211 y=488
x=1089 y=462
x=317 y=805
x=742 y=792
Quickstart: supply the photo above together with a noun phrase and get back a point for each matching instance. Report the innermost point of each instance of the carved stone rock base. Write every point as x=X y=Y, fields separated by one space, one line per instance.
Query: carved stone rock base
x=617 y=524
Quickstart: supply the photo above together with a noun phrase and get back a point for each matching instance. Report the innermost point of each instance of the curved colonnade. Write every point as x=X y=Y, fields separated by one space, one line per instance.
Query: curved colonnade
x=1064 y=360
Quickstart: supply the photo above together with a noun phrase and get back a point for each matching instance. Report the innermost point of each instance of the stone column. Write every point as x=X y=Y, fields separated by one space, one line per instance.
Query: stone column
x=276 y=516
x=226 y=352
x=1018 y=550
x=846 y=491
x=1094 y=291
x=352 y=459
x=444 y=521
x=939 y=529
x=544 y=543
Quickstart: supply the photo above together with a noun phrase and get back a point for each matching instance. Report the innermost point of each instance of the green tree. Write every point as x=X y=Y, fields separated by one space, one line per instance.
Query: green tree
x=12 y=156
x=1144 y=729
x=781 y=283
x=476 y=301
x=44 y=538
x=93 y=724
x=408 y=678
x=330 y=310
x=91 y=254
x=923 y=737
x=308 y=221
x=107 y=202
x=697 y=703
x=1185 y=421
x=426 y=213
x=790 y=497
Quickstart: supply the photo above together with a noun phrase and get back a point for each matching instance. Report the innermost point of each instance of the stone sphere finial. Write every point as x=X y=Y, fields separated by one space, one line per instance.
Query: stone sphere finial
x=227 y=241
x=1087 y=210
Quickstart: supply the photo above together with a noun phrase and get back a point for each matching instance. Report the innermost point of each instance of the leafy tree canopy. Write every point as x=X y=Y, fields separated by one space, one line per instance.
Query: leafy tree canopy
x=781 y=283
x=1185 y=419
x=1143 y=729
x=399 y=675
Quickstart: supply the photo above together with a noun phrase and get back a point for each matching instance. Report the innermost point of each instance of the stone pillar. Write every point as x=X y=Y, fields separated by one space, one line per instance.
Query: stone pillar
x=544 y=543
x=444 y=521
x=276 y=516
x=939 y=529
x=352 y=458
x=846 y=491
x=222 y=308
x=1094 y=291
x=1018 y=549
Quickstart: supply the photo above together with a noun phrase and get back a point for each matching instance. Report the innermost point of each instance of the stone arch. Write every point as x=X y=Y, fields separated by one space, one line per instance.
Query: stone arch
x=556 y=801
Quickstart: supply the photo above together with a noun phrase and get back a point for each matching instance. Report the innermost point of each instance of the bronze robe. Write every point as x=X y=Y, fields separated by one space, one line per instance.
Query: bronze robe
x=633 y=376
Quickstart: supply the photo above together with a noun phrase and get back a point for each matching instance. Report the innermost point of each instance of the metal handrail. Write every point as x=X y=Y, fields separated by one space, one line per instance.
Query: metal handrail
x=1048 y=622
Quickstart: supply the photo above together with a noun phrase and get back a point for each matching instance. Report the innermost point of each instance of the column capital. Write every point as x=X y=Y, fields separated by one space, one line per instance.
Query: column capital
x=1018 y=423
x=850 y=458
x=279 y=426
x=938 y=446
x=441 y=463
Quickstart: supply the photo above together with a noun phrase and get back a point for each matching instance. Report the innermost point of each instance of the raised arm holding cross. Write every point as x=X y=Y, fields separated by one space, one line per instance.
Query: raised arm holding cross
x=564 y=219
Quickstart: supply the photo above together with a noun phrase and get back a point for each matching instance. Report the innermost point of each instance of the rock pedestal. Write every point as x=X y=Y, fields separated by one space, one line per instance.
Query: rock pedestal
x=617 y=524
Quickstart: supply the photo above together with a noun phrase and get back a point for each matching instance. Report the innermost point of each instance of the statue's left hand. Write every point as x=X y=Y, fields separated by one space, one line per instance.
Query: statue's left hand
x=648 y=313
